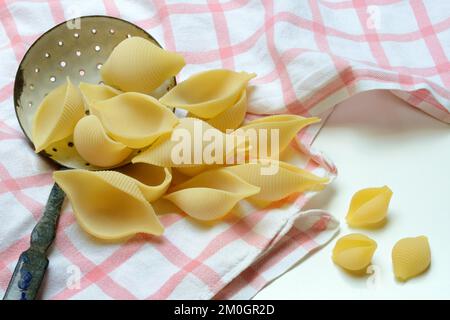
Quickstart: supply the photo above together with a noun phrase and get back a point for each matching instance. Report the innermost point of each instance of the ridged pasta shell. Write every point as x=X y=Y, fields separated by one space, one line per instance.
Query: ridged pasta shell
x=138 y=65
x=153 y=181
x=94 y=145
x=93 y=93
x=368 y=207
x=233 y=117
x=209 y=93
x=411 y=257
x=277 y=179
x=134 y=119
x=188 y=134
x=287 y=125
x=57 y=115
x=108 y=204
x=211 y=194
x=354 y=252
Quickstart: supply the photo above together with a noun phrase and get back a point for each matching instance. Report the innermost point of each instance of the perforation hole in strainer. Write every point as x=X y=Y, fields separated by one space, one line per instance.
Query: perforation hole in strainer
x=75 y=53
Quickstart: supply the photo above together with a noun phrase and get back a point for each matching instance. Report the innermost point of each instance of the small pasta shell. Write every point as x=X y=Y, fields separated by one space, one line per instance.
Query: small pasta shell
x=368 y=207
x=411 y=257
x=354 y=252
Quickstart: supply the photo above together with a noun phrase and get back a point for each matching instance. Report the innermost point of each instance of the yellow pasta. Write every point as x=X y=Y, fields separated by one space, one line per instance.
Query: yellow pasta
x=108 y=204
x=57 y=115
x=354 y=252
x=411 y=257
x=209 y=93
x=211 y=194
x=95 y=146
x=368 y=207
x=277 y=179
x=284 y=128
x=93 y=93
x=134 y=119
x=233 y=117
x=185 y=146
x=138 y=65
x=153 y=181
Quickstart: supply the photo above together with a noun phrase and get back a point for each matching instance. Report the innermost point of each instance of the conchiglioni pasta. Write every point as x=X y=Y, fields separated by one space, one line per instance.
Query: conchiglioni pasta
x=108 y=204
x=277 y=179
x=209 y=93
x=134 y=119
x=211 y=194
x=354 y=252
x=153 y=181
x=185 y=146
x=233 y=117
x=138 y=65
x=368 y=207
x=93 y=93
x=57 y=115
x=411 y=257
x=94 y=145
x=259 y=133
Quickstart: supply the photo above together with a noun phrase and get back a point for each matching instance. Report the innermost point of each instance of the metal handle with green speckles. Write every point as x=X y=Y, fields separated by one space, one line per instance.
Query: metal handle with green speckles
x=30 y=269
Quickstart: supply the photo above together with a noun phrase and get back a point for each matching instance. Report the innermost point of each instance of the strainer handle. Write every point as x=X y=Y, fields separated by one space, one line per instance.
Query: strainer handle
x=32 y=264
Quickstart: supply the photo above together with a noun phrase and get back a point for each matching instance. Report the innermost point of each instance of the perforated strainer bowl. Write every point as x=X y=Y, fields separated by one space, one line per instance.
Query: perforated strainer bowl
x=76 y=49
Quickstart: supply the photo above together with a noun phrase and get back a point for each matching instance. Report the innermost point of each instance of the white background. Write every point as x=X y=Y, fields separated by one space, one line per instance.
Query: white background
x=376 y=139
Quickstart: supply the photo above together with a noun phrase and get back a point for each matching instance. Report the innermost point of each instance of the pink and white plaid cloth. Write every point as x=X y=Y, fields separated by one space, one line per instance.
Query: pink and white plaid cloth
x=309 y=55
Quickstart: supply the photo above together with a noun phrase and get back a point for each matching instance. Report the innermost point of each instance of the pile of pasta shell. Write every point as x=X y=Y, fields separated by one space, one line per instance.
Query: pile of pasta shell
x=130 y=134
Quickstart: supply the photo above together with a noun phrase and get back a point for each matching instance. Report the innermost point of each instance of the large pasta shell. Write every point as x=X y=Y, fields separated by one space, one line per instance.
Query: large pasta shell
x=94 y=145
x=134 y=119
x=57 y=115
x=108 y=204
x=138 y=65
x=368 y=207
x=93 y=93
x=354 y=252
x=277 y=179
x=259 y=133
x=185 y=146
x=153 y=181
x=211 y=194
x=411 y=257
x=233 y=117
x=209 y=93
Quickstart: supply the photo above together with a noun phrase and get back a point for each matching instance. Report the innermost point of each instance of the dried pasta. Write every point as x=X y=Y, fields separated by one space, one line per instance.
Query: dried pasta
x=57 y=115
x=211 y=194
x=368 y=207
x=108 y=204
x=411 y=257
x=138 y=65
x=94 y=145
x=134 y=119
x=209 y=93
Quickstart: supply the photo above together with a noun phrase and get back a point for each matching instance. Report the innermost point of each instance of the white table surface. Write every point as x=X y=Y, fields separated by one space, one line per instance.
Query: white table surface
x=375 y=138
